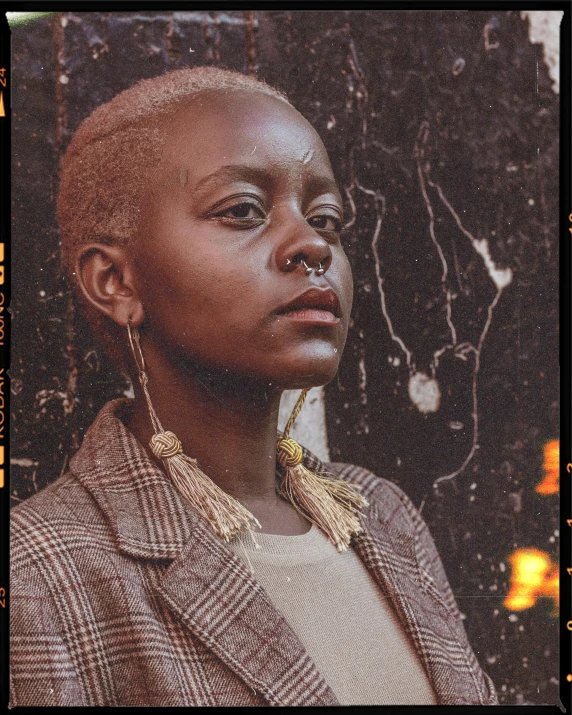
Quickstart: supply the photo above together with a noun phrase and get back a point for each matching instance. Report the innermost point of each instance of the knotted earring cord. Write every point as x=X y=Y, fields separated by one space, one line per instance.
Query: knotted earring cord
x=225 y=514
x=330 y=503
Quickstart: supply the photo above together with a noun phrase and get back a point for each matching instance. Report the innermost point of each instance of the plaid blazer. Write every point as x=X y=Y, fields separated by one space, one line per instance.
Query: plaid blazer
x=121 y=594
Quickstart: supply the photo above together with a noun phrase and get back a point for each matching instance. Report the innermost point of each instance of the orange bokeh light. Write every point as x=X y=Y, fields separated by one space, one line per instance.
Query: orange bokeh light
x=533 y=576
x=549 y=485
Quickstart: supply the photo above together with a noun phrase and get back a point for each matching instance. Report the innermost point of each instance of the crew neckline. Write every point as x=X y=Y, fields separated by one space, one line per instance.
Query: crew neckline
x=311 y=546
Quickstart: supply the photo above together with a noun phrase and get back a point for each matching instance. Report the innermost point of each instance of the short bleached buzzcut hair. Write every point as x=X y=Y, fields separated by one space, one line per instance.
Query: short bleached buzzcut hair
x=107 y=161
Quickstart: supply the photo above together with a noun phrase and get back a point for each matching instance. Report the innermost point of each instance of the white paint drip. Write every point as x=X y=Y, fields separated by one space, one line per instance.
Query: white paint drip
x=500 y=276
x=419 y=152
x=544 y=28
x=23 y=462
x=363 y=384
x=424 y=392
x=362 y=374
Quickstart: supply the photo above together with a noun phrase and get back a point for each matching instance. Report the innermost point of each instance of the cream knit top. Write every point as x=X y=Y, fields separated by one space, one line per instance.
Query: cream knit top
x=340 y=616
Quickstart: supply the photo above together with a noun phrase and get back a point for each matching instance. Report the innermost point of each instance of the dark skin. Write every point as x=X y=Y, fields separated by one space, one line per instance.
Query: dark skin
x=243 y=194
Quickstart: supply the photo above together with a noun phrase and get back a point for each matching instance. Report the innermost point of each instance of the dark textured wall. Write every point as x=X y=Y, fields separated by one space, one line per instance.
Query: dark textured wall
x=443 y=131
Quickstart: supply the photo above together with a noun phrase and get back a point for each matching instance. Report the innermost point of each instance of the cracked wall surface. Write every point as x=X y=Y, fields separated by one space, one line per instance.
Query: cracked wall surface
x=442 y=128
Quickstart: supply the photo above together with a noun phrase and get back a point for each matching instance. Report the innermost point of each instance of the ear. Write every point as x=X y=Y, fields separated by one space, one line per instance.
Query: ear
x=107 y=280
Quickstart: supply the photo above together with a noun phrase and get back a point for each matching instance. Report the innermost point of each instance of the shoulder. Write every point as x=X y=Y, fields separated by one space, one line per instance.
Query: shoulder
x=59 y=517
x=64 y=498
x=47 y=531
x=396 y=515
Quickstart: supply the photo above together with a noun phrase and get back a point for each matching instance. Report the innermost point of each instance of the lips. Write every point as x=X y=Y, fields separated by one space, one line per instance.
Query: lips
x=315 y=305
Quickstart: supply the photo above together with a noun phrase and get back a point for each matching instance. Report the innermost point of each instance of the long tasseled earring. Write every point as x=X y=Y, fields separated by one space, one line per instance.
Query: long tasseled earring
x=226 y=515
x=330 y=503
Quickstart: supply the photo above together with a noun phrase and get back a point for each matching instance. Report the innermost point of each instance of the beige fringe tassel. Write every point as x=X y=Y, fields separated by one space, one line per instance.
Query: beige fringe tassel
x=330 y=503
x=226 y=515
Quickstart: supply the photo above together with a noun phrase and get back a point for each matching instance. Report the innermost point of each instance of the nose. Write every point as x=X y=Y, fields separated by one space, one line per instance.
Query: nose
x=302 y=246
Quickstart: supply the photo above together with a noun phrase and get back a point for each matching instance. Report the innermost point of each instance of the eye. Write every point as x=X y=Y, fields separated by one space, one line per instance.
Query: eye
x=326 y=222
x=241 y=214
x=243 y=210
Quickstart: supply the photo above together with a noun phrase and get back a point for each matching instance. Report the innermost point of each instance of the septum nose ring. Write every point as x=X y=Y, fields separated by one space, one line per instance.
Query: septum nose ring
x=320 y=270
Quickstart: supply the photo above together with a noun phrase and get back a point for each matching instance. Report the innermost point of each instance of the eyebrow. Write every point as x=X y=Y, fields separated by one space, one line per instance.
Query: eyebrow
x=234 y=172
x=261 y=176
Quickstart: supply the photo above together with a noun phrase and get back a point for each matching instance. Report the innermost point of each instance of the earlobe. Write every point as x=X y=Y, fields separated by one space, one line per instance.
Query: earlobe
x=107 y=281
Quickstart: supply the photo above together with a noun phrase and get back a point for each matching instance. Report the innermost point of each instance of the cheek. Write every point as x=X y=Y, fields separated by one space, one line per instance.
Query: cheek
x=192 y=258
x=346 y=280
x=185 y=296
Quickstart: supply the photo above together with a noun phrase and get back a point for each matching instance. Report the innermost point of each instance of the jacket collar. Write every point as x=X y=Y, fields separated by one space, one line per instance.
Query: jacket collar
x=148 y=517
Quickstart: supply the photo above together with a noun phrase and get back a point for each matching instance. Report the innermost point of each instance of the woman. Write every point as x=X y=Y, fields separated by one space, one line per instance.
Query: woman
x=188 y=557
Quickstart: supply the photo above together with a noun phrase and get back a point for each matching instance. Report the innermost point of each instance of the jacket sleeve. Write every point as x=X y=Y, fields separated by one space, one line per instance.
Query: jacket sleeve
x=430 y=561
x=42 y=670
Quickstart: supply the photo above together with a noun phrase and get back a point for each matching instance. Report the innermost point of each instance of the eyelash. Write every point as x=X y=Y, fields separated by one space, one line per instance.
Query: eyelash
x=246 y=222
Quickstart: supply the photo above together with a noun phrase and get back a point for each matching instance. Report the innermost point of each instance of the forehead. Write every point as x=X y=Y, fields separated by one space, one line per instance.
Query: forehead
x=241 y=125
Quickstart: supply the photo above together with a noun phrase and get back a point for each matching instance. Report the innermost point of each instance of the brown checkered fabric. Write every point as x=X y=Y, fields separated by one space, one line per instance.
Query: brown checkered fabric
x=121 y=594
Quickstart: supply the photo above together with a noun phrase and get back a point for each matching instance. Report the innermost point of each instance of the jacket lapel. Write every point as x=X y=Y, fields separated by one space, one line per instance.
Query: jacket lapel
x=216 y=597
x=390 y=557
x=206 y=586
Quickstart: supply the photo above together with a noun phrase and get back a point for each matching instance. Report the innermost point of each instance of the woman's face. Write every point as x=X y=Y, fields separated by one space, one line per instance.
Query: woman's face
x=244 y=194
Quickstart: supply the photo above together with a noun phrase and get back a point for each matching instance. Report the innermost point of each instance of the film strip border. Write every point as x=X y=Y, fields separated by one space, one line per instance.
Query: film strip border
x=5 y=105
x=565 y=360
x=564 y=465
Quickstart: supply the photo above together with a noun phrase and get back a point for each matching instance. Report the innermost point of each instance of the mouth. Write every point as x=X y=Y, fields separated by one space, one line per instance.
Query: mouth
x=314 y=306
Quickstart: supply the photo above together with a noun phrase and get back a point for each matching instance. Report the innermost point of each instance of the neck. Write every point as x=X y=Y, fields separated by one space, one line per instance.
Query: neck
x=229 y=425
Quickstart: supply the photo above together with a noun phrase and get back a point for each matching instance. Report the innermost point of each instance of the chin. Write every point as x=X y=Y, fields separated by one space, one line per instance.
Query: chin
x=308 y=374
